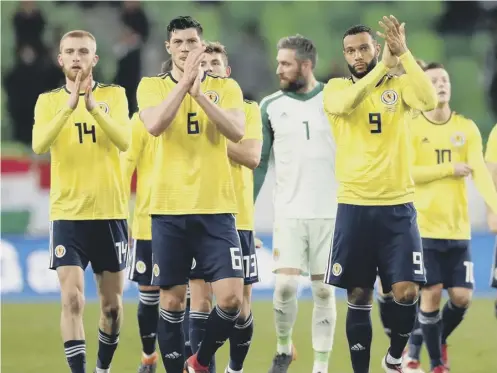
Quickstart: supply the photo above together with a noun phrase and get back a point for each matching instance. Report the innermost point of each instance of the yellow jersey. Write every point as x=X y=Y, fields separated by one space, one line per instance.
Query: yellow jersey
x=86 y=181
x=369 y=123
x=243 y=177
x=441 y=198
x=140 y=156
x=491 y=152
x=192 y=173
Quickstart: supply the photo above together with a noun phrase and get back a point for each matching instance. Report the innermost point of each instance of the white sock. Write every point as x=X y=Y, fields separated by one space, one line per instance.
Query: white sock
x=320 y=367
x=392 y=360
x=324 y=317
x=285 y=310
x=228 y=370
x=98 y=370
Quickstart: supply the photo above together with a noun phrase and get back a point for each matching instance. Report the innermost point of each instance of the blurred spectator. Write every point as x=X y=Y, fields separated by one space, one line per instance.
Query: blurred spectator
x=128 y=53
x=29 y=25
x=461 y=17
x=135 y=18
x=335 y=71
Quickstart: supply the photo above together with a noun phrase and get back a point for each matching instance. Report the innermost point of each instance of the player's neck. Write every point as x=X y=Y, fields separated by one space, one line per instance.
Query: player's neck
x=310 y=85
x=70 y=85
x=176 y=73
x=440 y=114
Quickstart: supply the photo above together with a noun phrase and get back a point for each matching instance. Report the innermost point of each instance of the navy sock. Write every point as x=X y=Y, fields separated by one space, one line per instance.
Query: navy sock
x=431 y=327
x=107 y=345
x=198 y=324
x=404 y=316
x=416 y=341
x=171 y=340
x=75 y=351
x=240 y=339
x=451 y=318
x=219 y=327
x=186 y=329
x=385 y=304
x=359 y=334
x=148 y=318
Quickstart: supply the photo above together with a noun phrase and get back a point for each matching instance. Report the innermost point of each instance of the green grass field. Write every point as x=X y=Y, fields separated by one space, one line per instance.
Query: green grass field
x=31 y=341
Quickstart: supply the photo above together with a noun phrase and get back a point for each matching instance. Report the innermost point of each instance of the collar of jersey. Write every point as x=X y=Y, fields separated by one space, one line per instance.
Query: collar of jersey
x=386 y=76
x=170 y=75
x=305 y=96
x=81 y=94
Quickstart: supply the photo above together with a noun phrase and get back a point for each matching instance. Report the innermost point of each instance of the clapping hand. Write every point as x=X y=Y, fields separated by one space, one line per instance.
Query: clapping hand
x=394 y=35
x=74 y=96
x=192 y=65
x=89 y=99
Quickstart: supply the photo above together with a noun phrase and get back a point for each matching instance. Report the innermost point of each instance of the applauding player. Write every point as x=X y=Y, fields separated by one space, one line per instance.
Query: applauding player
x=85 y=125
x=193 y=198
x=376 y=229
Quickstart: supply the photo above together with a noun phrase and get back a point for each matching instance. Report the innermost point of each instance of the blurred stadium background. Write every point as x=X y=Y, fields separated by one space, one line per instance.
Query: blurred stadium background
x=130 y=35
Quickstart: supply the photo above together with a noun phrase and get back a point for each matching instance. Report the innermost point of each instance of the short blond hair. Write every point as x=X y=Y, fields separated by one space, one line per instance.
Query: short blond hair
x=216 y=47
x=78 y=34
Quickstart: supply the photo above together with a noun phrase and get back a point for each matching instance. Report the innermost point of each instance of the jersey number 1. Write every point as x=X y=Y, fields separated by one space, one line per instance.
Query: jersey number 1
x=83 y=130
x=192 y=125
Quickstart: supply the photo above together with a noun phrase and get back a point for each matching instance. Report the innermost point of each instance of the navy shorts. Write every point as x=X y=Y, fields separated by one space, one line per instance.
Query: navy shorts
x=103 y=243
x=250 y=266
x=371 y=240
x=448 y=262
x=211 y=239
x=140 y=270
x=493 y=280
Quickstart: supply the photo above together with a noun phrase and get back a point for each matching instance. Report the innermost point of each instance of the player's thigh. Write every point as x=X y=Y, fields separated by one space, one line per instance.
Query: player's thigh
x=216 y=246
x=434 y=266
x=493 y=276
x=109 y=245
x=69 y=244
x=200 y=295
x=320 y=239
x=140 y=269
x=72 y=287
x=459 y=266
x=172 y=255
x=290 y=243
x=400 y=256
x=352 y=260
x=110 y=287
x=250 y=265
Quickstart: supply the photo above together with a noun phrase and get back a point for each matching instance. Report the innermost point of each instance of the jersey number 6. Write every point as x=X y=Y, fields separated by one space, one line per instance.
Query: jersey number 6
x=375 y=119
x=193 y=127
x=83 y=130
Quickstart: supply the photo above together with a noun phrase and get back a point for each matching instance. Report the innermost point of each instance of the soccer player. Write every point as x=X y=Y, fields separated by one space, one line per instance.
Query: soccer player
x=141 y=156
x=447 y=147
x=295 y=127
x=245 y=156
x=491 y=158
x=193 y=114
x=376 y=229
x=85 y=125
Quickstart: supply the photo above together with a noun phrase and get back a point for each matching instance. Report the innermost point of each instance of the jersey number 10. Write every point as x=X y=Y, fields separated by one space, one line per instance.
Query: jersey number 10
x=83 y=130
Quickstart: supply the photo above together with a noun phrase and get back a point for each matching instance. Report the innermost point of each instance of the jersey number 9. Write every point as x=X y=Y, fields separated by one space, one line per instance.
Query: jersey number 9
x=83 y=130
x=375 y=119
x=193 y=127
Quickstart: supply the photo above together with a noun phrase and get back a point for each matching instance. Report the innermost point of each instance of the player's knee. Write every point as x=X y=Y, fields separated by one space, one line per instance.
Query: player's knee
x=323 y=294
x=230 y=302
x=360 y=296
x=112 y=308
x=172 y=299
x=201 y=303
x=286 y=286
x=461 y=299
x=406 y=292
x=73 y=302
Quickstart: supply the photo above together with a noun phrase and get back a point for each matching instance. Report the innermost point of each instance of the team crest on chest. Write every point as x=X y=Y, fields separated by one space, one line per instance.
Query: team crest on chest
x=458 y=139
x=104 y=107
x=389 y=97
x=213 y=96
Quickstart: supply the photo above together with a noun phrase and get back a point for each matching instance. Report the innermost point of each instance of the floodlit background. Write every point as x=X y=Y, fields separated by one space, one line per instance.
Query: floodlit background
x=130 y=36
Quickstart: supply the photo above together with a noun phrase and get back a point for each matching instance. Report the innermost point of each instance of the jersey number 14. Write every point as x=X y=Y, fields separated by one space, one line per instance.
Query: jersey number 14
x=84 y=130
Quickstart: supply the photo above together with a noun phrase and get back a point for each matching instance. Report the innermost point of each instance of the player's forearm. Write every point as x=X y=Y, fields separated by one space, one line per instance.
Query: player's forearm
x=230 y=125
x=158 y=118
x=45 y=134
x=485 y=185
x=428 y=174
x=247 y=153
x=346 y=100
x=421 y=94
x=119 y=134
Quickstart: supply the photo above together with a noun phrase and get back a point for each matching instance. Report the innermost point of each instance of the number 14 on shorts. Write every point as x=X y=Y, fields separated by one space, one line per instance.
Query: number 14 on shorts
x=122 y=251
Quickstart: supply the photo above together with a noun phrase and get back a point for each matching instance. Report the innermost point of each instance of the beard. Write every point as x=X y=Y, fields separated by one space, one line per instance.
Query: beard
x=71 y=74
x=294 y=85
x=370 y=66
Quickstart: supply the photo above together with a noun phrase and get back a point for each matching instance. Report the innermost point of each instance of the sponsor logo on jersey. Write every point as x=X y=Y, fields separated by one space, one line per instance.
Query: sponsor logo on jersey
x=425 y=140
x=60 y=251
x=213 y=96
x=336 y=269
x=156 y=270
x=389 y=97
x=141 y=267
x=458 y=139
x=104 y=107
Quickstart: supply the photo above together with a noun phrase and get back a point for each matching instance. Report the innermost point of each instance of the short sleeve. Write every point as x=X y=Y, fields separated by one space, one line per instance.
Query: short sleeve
x=253 y=126
x=232 y=97
x=491 y=152
x=149 y=93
